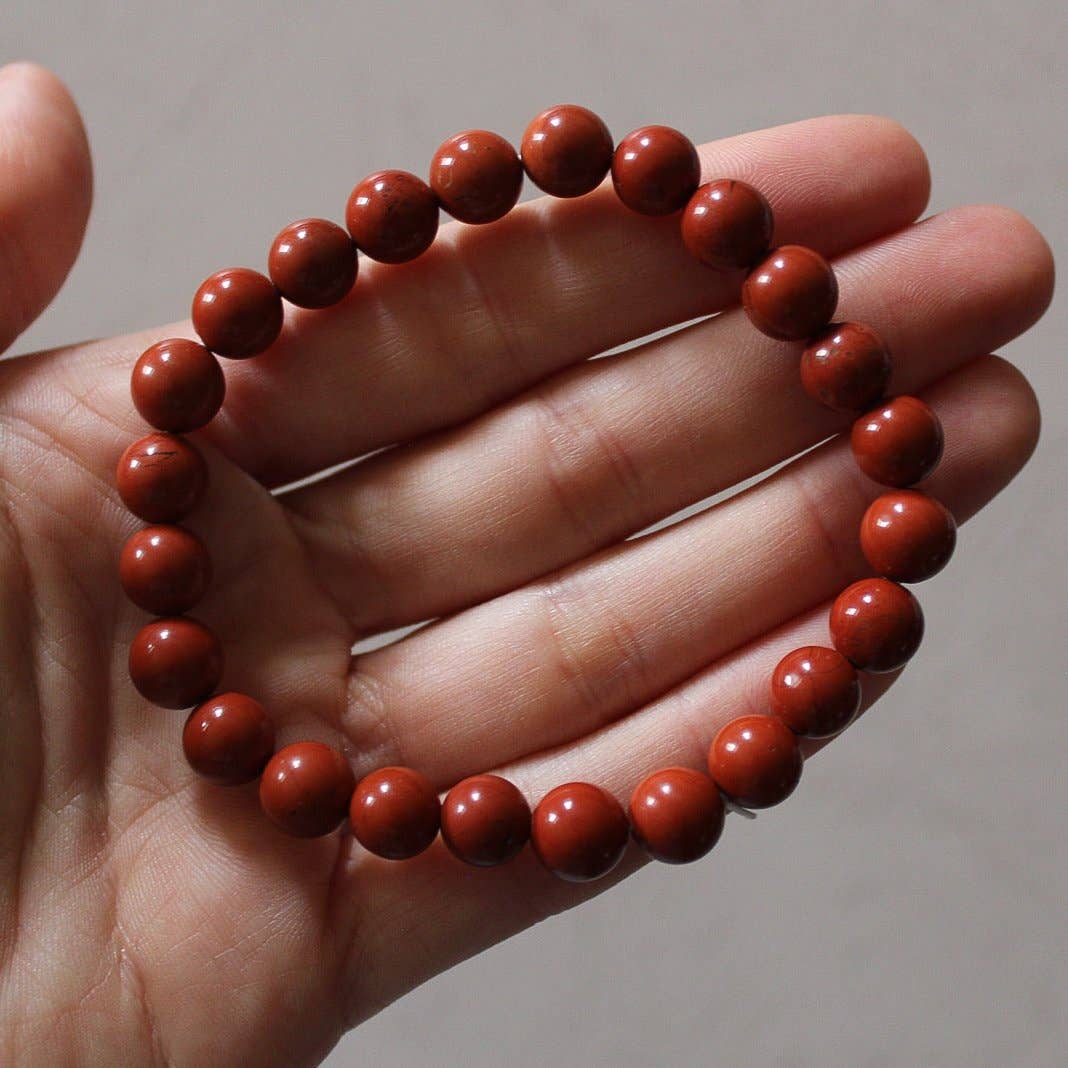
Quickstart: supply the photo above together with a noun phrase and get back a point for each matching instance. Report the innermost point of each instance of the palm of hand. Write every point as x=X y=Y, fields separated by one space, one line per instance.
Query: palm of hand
x=147 y=914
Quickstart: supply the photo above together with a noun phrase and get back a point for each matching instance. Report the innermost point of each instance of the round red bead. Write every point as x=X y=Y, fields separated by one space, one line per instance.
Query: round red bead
x=175 y=663
x=161 y=477
x=676 y=815
x=791 y=294
x=907 y=536
x=477 y=176
x=815 y=691
x=485 y=820
x=228 y=739
x=177 y=385
x=899 y=443
x=567 y=151
x=846 y=368
x=579 y=832
x=727 y=225
x=756 y=761
x=395 y=813
x=655 y=170
x=164 y=569
x=237 y=312
x=312 y=262
x=305 y=789
x=876 y=625
x=392 y=216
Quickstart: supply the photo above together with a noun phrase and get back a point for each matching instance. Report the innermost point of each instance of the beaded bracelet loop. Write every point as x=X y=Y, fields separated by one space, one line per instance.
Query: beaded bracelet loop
x=578 y=830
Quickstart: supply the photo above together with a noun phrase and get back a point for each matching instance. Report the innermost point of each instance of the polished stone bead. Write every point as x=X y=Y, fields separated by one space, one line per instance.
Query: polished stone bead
x=899 y=443
x=237 y=312
x=305 y=789
x=755 y=761
x=312 y=262
x=392 y=216
x=164 y=569
x=395 y=813
x=175 y=663
x=567 y=150
x=177 y=385
x=161 y=477
x=228 y=739
x=876 y=625
x=655 y=170
x=907 y=536
x=815 y=691
x=791 y=294
x=727 y=225
x=477 y=176
x=485 y=820
x=847 y=368
x=579 y=832
x=676 y=815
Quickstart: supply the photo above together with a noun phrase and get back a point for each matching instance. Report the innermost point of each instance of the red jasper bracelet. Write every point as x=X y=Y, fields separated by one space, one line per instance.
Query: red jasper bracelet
x=579 y=831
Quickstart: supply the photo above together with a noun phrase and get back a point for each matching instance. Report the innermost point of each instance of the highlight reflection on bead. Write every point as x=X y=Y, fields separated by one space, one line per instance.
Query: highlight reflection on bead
x=567 y=151
x=907 y=536
x=237 y=312
x=477 y=176
x=846 y=368
x=305 y=789
x=876 y=624
x=161 y=477
x=899 y=443
x=228 y=739
x=727 y=225
x=815 y=691
x=655 y=170
x=676 y=815
x=485 y=820
x=313 y=263
x=175 y=663
x=791 y=294
x=177 y=385
x=392 y=216
x=395 y=812
x=164 y=569
x=579 y=832
x=755 y=760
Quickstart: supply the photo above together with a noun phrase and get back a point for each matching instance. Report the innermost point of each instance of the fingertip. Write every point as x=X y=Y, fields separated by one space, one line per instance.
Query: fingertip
x=1014 y=256
x=1023 y=242
x=992 y=422
x=870 y=167
x=1007 y=252
x=1014 y=408
x=900 y=144
x=881 y=143
x=46 y=188
x=54 y=103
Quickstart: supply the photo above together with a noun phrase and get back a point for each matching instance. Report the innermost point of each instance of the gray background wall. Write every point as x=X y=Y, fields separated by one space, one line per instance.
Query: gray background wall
x=908 y=907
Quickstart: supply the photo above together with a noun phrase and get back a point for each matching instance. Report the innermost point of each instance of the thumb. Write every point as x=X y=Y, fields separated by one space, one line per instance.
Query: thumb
x=46 y=188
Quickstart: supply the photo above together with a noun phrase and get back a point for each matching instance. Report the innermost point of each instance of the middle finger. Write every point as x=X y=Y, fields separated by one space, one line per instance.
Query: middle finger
x=602 y=450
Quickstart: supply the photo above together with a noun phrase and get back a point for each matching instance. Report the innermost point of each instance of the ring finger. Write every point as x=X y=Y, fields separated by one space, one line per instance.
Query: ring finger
x=560 y=658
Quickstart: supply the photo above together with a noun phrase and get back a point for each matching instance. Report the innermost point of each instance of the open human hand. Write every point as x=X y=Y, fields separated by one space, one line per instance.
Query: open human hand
x=148 y=916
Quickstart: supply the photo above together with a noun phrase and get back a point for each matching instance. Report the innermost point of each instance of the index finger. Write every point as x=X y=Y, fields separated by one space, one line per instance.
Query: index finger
x=489 y=310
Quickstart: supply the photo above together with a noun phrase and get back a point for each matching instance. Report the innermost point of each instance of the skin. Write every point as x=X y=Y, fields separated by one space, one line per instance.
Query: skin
x=148 y=917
